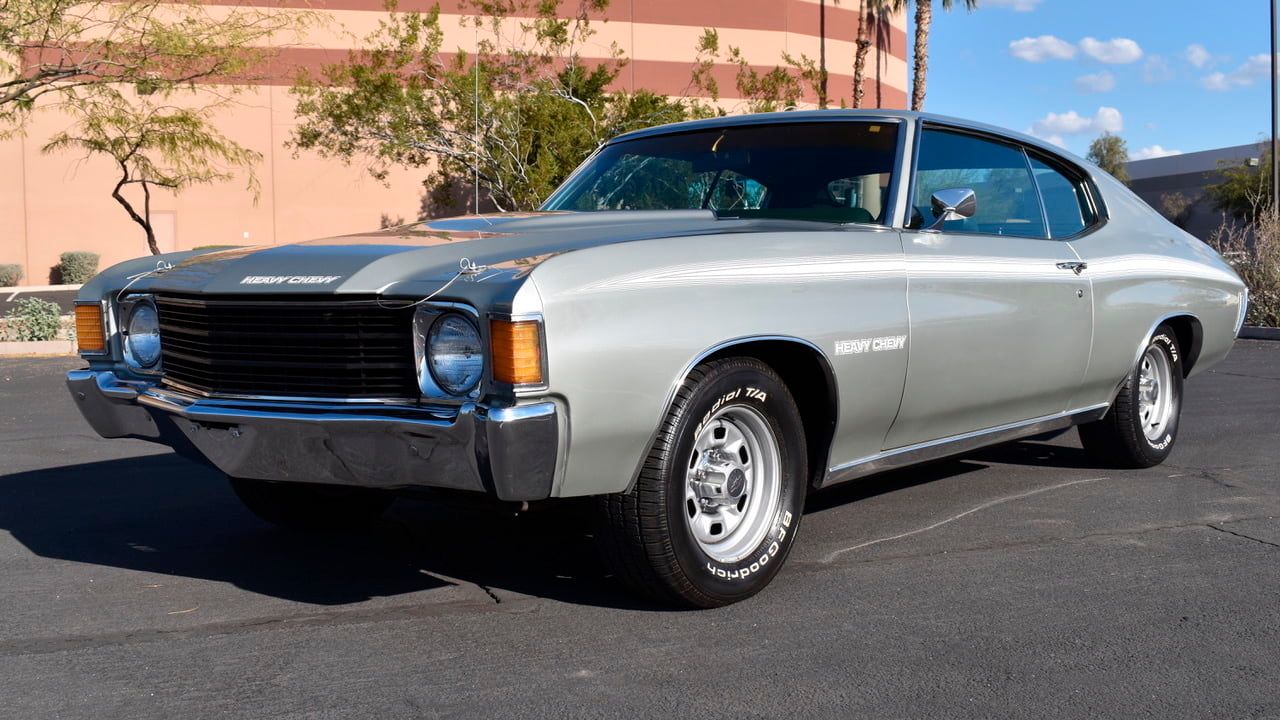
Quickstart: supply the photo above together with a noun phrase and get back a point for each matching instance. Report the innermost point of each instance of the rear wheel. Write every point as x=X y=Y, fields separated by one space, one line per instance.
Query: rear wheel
x=716 y=507
x=1142 y=425
x=307 y=506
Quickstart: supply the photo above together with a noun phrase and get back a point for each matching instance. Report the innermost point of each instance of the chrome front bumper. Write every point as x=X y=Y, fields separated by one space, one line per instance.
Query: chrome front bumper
x=510 y=453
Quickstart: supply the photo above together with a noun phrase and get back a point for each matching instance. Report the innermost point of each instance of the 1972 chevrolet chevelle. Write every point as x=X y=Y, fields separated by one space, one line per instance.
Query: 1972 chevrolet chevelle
x=703 y=323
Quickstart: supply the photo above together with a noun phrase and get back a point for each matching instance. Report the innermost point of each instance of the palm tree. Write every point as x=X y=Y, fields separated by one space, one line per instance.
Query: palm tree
x=870 y=12
x=920 y=71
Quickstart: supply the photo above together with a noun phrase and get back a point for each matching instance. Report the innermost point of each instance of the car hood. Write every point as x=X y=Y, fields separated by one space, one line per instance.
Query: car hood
x=414 y=260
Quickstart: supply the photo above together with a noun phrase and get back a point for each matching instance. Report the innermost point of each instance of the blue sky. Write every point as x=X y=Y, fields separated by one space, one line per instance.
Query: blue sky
x=1168 y=77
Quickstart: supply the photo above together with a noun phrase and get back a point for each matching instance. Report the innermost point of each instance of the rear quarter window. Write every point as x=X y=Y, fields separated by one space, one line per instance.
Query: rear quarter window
x=1066 y=199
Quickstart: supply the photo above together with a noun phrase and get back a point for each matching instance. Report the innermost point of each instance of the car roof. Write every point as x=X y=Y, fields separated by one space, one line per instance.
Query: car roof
x=800 y=116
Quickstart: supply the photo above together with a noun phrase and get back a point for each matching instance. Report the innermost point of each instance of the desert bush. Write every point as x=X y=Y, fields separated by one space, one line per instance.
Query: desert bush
x=33 y=319
x=77 y=268
x=10 y=275
x=1253 y=249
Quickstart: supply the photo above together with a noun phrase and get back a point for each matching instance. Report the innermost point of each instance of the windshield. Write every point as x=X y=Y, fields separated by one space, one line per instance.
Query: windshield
x=836 y=172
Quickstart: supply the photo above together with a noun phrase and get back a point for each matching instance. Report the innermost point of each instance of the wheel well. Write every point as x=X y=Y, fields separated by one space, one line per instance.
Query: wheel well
x=1190 y=335
x=812 y=383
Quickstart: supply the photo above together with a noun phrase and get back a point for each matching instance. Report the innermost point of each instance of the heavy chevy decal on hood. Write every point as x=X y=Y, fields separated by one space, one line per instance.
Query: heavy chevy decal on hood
x=289 y=279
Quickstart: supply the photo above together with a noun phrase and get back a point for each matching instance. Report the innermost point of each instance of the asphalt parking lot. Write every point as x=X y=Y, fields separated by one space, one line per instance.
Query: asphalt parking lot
x=65 y=299
x=1020 y=581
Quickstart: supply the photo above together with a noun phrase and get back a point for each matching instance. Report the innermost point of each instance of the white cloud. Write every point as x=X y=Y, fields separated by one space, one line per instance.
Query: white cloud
x=1053 y=126
x=1250 y=71
x=1015 y=5
x=1156 y=70
x=1153 y=151
x=1039 y=49
x=1197 y=55
x=1117 y=51
x=1096 y=83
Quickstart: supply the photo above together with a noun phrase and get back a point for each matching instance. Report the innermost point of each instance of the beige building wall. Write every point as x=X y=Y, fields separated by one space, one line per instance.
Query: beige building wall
x=51 y=203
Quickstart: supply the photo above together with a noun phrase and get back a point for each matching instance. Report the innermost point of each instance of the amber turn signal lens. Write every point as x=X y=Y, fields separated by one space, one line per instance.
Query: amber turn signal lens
x=89 y=333
x=517 y=351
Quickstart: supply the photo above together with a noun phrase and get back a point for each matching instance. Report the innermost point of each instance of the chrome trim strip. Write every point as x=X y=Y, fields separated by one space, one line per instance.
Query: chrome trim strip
x=958 y=444
x=218 y=409
x=684 y=373
x=521 y=412
x=1244 y=311
x=1146 y=340
x=428 y=386
x=204 y=411
x=407 y=402
x=512 y=453
x=774 y=118
x=124 y=309
x=108 y=384
x=1021 y=142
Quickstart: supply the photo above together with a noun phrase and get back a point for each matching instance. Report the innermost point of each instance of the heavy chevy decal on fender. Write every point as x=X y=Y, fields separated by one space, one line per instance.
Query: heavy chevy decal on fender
x=289 y=279
x=862 y=345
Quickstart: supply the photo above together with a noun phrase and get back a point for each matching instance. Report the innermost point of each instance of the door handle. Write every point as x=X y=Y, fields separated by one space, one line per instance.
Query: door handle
x=1075 y=266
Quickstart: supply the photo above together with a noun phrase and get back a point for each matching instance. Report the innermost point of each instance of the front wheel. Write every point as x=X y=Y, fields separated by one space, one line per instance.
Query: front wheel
x=718 y=502
x=307 y=506
x=1140 y=428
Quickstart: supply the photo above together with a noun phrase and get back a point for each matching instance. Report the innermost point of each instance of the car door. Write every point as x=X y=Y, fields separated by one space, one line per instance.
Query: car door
x=1000 y=321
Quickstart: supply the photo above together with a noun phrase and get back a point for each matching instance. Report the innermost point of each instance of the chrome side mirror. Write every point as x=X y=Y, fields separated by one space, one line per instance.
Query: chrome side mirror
x=952 y=204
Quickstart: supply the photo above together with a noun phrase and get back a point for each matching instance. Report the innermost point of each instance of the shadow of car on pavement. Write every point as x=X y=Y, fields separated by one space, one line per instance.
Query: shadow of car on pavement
x=165 y=514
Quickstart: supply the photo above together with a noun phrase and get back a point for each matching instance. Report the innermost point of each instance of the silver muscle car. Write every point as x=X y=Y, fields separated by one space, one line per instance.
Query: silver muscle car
x=705 y=322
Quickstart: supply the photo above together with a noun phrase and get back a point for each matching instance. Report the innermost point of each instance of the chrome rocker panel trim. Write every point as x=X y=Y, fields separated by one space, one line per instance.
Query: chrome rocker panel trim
x=509 y=453
x=959 y=444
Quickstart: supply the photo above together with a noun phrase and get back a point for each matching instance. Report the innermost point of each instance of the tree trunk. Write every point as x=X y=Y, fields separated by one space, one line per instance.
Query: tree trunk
x=146 y=215
x=143 y=222
x=860 y=55
x=822 y=54
x=920 y=71
x=884 y=39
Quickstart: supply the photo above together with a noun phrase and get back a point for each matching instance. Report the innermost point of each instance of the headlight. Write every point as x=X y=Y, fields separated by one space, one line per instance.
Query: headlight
x=142 y=335
x=454 y=354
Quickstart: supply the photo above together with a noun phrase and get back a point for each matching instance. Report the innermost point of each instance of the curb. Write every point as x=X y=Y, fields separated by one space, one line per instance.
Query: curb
x=1259 y=333
x=20 y=289
x=41 y=347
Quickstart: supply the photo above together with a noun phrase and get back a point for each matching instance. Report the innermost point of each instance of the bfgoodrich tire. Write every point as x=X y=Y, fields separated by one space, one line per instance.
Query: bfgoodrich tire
x=1140 y=428
x=718 y=502
x=306 y=506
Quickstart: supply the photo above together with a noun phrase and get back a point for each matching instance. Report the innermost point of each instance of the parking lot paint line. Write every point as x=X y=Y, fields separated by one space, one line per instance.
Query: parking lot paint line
x=832 y=556
x=1197 y=525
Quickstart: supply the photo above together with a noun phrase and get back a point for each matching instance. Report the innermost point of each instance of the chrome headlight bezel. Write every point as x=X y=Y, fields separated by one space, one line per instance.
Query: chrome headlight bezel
x=428 y=322
x=144 y=354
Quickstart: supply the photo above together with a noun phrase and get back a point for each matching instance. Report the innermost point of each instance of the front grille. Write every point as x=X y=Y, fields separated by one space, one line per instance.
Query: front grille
x=321 y=347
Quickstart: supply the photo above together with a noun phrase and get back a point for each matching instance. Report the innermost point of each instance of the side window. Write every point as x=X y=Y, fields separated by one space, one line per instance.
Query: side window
x=734 y=191
x=1066 y=203
x=864 y=195
x=1007 y=200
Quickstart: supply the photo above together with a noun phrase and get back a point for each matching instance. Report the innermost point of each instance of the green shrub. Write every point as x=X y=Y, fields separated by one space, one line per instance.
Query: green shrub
x=77 y=268
x=33 y=319
x=10 y=275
